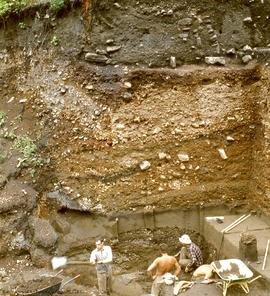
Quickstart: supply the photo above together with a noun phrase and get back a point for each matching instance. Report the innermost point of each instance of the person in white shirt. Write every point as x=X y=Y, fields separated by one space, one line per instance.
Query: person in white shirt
x=102 y=258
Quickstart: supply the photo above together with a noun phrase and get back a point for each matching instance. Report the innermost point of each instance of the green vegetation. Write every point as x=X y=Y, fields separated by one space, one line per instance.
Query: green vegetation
x=10 y=6
x=9 y=135
x=57 y=5
x=2 y=157
x=21 y=25
x=55 y=41
x=2 y=117
x=26 y=146
x=28 y=149
x=14 y=6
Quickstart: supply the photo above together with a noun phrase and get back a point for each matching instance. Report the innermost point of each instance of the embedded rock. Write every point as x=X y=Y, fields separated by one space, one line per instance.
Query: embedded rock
x=43 y=233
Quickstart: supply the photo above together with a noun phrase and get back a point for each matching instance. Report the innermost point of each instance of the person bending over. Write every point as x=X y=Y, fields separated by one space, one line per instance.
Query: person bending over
x=160 y=267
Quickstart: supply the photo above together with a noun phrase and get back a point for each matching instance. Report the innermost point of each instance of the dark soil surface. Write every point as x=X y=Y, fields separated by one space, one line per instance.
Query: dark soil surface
x=256 y=289
x=44 y=284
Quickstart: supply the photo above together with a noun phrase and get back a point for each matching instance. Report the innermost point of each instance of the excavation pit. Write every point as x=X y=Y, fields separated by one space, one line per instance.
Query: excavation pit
x=135 y=240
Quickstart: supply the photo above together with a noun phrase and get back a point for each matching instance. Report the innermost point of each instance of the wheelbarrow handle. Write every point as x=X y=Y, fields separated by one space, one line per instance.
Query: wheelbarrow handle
x=256 y=278
x=70 y=280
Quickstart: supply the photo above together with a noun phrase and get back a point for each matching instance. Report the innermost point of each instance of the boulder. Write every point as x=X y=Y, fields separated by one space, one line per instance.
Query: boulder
x=17 y=196
x=39 y=257
x=61 y=226
x=43 y=233
x=127 y=284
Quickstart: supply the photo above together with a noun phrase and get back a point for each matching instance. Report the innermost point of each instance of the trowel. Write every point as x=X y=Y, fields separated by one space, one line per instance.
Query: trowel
x=63 y=261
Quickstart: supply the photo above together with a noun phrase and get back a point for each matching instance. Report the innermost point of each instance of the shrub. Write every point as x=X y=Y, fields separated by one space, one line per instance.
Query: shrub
x=28 y=149
x=57 y=5
x=9 y=6
x=25 y=145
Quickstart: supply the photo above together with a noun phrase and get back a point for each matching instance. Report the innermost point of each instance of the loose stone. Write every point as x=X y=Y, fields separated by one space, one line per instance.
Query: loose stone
x=111 y=49
x=247 y=48
x=231 y=51
x=183 y=157
x=173 y=62
x=93 y=57
x=127 y=84
x=145 y=165
x=215 y=60
x=162 y=155
x=247 y=19
x=182 y=166
x=246 y=58
x=229 y=138
x=222 y=153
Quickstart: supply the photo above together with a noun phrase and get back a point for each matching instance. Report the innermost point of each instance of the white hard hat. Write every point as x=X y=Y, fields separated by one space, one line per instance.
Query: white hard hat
x=185 y=239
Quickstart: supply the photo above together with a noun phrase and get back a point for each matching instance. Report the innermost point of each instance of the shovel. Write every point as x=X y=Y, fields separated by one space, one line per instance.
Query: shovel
x=63 y=261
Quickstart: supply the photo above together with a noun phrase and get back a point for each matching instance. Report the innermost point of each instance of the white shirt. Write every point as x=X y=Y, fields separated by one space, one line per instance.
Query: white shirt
x=101 y=256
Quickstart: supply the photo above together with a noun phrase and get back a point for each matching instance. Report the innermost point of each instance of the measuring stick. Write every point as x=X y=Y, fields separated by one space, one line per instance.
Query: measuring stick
x=236 y=224
x=265 y=255
x=225 y=229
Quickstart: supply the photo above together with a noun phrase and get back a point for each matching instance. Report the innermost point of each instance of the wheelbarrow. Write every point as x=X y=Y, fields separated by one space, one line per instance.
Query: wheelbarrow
x=56 y=285
x=233 y=272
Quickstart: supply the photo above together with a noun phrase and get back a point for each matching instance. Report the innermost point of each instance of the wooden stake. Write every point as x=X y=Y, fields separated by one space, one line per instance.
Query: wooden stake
x=265 y=255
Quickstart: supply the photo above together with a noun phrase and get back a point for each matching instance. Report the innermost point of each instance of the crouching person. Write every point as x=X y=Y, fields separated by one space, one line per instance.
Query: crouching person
x=160 y=267
x=190 y=254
